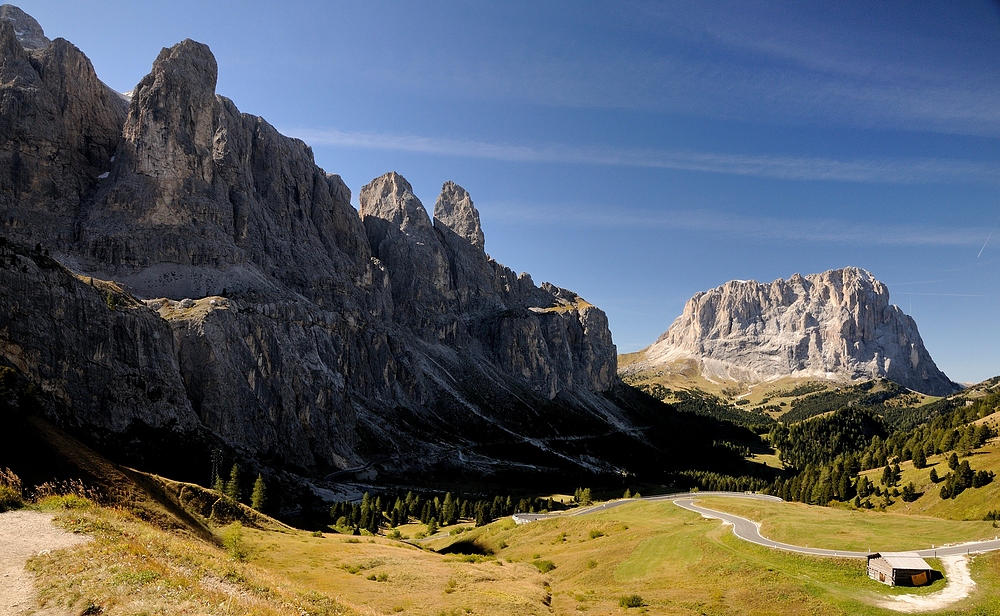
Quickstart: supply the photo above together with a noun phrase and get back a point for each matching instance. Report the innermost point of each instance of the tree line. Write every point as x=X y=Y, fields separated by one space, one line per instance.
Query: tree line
x=828 y=453
x=378 y=511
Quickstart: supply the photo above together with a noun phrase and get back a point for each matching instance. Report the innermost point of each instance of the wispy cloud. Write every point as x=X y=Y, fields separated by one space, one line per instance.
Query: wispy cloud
x=827 y=64
x=893 y=171
x=780 y=63
x=944 y=294
x=746 y=228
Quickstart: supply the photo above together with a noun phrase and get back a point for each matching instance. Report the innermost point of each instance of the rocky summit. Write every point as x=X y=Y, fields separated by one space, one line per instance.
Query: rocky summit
x=836 y=325
x=172 y=266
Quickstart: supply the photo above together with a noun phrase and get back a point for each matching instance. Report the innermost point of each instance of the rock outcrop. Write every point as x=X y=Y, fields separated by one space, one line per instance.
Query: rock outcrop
x=253 y=301
x=834 y=325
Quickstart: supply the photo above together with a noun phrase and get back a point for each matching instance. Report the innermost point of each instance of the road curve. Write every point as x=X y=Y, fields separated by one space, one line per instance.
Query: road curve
x=748 y=530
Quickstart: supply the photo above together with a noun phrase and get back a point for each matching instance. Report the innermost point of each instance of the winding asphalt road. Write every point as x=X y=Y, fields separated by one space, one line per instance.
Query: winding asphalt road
x=748 y=530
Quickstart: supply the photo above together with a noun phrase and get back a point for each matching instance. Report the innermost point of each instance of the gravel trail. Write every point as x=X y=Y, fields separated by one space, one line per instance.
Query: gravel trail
x=24 y=534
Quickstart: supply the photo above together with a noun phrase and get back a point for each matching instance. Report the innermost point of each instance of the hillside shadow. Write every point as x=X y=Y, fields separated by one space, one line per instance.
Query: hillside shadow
x=466 y=547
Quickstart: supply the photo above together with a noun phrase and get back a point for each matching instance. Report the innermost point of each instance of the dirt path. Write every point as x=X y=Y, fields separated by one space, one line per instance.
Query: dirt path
x=960 y=584
x=24 y=534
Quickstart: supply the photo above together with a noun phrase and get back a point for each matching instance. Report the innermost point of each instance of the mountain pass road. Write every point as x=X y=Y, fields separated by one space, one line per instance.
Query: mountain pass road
x=748 y=530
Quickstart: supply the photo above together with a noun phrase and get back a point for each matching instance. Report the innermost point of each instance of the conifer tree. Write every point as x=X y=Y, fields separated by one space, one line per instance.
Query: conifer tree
x=259 y=496
x=233 y=485
x=449 y=515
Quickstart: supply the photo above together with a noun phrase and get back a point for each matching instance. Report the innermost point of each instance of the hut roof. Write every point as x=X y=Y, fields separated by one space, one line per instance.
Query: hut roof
x=902 y=560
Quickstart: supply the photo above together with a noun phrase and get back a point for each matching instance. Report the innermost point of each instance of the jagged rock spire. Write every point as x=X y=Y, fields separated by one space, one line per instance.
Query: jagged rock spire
x=455 y=210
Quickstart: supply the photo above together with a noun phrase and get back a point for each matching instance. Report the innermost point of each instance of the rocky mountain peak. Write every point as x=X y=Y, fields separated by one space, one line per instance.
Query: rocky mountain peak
x=390 y=197
x=403 y=239
x=28 y=31
x=837 y=324
x=454 y=209
x=189 y=66
x=170 y=126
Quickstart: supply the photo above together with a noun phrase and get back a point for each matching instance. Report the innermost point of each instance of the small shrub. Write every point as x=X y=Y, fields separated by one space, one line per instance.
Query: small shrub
x=317 y=533
x=9 y=499
x=395 y=534
x=372 y=577
x=10 y=490
x=631 y=601
x=544 y=565
x=234 y=543
x=591 y=564
x=69 y=501
x=382 y=577
x=69 y=488
x=595 y=533
x=234 y=577
x=352 y=540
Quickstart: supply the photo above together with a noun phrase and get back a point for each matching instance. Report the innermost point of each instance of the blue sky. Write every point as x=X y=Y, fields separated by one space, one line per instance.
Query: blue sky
x=638 y=152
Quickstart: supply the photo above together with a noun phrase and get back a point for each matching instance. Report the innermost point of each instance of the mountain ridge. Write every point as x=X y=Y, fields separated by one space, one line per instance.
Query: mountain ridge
x=267 y=311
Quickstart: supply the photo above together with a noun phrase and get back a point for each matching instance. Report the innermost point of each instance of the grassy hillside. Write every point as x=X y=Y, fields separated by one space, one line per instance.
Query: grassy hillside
x=855 y=530
x=680 y=563
x=384 y=576
x=971 y=504
x=655 y=554
x=758 y=405
x=134 y=567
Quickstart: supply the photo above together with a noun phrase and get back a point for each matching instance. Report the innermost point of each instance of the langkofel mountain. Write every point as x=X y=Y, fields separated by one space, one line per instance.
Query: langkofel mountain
x=838 y=325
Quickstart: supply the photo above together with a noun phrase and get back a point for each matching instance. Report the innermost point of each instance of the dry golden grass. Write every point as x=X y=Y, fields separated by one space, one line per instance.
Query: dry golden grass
x=379 y=575
x=132 y=567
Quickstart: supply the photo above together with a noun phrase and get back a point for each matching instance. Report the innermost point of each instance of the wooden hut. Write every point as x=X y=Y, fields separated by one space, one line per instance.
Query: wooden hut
x=899 y=569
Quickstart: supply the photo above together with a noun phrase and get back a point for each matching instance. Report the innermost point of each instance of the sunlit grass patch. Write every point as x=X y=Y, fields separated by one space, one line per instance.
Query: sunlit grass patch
x=131 y=567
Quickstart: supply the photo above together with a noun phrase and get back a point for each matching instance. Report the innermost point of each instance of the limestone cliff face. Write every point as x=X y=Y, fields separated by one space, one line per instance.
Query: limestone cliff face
x=101 y=357
x=270 y=311
x=838 y=324
x=203 y=199
x=59 y=127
